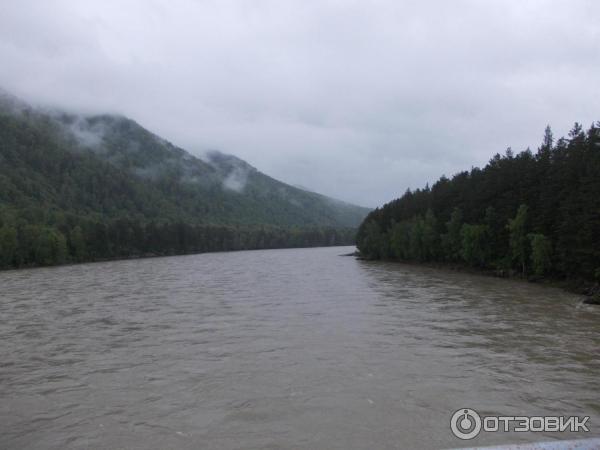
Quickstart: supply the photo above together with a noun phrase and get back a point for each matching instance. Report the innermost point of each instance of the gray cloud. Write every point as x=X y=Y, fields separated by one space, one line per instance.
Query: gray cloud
x=357 y=100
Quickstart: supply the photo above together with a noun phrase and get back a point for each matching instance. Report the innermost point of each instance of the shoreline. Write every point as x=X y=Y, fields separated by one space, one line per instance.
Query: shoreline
x=587 y=289
x=154 y=255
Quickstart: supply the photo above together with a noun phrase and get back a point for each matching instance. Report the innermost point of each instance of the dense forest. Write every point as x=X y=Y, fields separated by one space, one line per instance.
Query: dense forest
x=532 y=214
x=75 y=188
x=31 y=241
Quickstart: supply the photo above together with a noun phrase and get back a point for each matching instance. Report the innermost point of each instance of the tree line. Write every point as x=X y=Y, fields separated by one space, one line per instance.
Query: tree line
x=531 y=214
x=25 y=243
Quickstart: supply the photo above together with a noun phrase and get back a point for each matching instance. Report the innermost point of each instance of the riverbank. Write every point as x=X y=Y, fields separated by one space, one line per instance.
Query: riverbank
x=589 y=289
x=158 y=255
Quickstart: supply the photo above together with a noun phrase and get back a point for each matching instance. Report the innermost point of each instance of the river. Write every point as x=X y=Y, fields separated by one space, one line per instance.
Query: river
x=290 y=349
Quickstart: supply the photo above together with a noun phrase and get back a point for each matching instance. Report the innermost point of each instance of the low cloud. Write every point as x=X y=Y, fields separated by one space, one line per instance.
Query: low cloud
x=355 y=100
x=87 y=134
x=237 y=179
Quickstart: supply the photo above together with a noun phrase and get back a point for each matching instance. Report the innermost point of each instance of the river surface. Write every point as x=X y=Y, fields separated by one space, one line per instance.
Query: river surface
x=290 y=349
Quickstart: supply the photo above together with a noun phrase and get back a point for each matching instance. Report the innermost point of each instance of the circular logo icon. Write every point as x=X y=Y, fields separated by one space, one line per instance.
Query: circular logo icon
x=465 y=423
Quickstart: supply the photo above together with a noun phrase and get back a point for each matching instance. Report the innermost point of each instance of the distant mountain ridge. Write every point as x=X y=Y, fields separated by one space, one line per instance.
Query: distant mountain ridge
x=111 y=166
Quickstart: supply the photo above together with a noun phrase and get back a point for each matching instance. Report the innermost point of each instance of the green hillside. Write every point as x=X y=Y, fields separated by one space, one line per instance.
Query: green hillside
x=60 y=172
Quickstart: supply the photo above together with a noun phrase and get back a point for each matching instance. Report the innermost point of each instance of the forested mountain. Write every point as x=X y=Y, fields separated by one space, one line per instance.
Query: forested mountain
x=533 y=214
x=80 y=188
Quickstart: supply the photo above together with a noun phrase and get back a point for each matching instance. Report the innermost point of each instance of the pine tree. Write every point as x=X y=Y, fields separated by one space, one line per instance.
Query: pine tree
x=452 y=240
x=518 y=238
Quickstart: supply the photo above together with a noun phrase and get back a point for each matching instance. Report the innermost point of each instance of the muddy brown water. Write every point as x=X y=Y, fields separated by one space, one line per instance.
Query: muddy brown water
x=290 y=349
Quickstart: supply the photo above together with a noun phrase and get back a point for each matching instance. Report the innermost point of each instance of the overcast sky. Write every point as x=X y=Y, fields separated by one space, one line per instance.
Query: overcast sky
x=356 y=100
